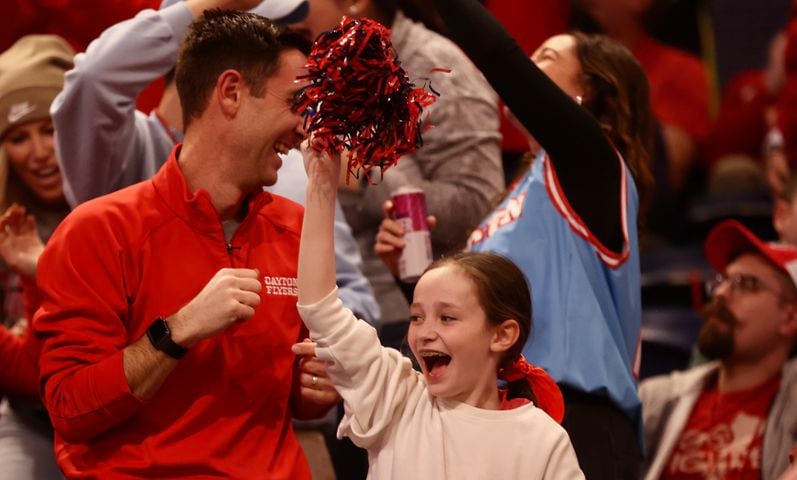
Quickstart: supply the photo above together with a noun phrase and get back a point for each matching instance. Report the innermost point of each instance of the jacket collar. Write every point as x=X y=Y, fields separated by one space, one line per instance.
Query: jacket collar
x=195 y=208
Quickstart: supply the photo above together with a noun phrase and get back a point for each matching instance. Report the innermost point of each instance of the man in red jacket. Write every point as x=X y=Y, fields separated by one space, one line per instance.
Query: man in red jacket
x=169 y=307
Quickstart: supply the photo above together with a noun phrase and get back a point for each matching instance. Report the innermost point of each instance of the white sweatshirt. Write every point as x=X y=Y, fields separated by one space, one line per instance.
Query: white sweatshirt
x=408 y=433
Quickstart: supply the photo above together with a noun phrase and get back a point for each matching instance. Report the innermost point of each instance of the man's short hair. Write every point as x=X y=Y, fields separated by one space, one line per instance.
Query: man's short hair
x=225 y=39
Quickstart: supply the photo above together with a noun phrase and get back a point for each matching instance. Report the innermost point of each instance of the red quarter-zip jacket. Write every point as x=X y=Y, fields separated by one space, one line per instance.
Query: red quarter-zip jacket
x=113 y=266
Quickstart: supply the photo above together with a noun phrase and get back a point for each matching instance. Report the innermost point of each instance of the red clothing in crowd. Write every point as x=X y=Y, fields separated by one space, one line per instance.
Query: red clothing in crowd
x=723 y=436
x=740 y=127
x=19 y=373
x=679 y=89
x=77 y=21
x=113 y=266
x=787 y=101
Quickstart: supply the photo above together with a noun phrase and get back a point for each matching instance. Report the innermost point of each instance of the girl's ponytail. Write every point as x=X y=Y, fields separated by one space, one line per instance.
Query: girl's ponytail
x=527 y=381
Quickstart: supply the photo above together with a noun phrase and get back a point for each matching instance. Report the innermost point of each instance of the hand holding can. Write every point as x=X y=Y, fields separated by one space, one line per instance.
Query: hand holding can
x=409 y=210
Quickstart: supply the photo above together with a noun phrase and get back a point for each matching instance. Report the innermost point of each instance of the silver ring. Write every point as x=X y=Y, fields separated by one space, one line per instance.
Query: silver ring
x=315 y=380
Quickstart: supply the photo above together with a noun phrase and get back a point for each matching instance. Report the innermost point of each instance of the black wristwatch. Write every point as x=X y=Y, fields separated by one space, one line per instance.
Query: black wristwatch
x=161 y=338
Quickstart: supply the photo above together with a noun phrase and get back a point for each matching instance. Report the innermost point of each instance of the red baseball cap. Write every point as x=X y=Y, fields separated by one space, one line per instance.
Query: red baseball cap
x=730 y=238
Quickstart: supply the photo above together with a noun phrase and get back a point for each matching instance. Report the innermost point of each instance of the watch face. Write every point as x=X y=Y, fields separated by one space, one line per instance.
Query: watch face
x=161 y=338
x=158 y=331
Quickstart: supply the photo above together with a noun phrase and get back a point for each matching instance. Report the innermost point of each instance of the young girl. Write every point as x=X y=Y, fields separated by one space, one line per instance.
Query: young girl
x=470 y=317
x=570 y=222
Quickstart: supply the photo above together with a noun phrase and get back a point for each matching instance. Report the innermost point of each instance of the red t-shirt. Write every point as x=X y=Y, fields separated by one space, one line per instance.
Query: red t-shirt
x=679 y=87
x=740 y=127
x=722 y=439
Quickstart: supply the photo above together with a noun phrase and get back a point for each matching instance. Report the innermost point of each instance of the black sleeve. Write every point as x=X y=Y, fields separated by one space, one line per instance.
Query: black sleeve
x=584 y=160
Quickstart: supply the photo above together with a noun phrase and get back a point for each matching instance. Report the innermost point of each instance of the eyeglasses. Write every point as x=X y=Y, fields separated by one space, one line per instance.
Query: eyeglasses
x=740 y=282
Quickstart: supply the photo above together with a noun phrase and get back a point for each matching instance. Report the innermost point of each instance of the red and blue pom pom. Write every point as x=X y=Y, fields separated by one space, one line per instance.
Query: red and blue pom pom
x=359 y=99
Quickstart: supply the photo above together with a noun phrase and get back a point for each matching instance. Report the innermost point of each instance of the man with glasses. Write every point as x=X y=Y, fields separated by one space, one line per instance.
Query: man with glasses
x=735 y=417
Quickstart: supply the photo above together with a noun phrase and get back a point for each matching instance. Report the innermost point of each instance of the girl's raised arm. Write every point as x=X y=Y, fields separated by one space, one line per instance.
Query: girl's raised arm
x=375 y=382
x=316 y=278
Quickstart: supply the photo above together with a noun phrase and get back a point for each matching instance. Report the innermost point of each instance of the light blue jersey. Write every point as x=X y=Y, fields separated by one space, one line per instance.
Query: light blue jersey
x=586 y=300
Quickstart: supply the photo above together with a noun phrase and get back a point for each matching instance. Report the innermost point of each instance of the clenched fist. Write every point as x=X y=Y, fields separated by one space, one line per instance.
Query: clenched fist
x=231 y=295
